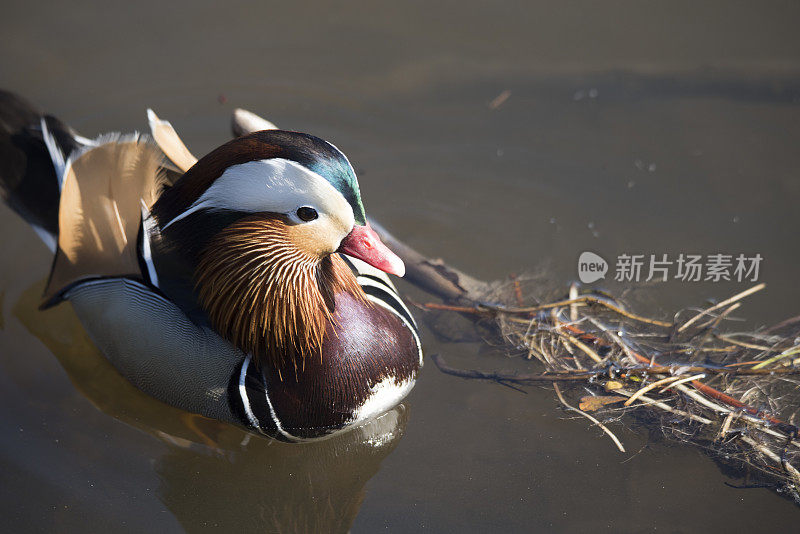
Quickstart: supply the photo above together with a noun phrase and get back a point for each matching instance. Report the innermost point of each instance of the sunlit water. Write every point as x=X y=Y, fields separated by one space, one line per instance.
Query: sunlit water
x=628 y=128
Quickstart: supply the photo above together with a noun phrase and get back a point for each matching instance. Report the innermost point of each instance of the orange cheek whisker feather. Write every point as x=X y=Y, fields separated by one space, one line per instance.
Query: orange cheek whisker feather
x=267 y=296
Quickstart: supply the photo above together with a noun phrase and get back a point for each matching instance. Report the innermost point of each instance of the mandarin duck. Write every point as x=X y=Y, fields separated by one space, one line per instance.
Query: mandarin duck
x=246 y=286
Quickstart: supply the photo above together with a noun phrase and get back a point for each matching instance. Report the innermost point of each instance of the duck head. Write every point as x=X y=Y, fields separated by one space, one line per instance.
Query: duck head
x=258 y=223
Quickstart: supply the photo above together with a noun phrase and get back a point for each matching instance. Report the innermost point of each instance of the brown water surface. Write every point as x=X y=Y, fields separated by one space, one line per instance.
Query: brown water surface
x=643 y=127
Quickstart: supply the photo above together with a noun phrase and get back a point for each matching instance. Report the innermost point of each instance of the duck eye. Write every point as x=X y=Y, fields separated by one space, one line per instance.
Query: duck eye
x=307 y=214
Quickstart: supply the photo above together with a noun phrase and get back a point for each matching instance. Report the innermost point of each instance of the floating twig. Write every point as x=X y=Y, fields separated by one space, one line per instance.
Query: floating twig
x=651 y=386
x=738 y=296
x=602 y=427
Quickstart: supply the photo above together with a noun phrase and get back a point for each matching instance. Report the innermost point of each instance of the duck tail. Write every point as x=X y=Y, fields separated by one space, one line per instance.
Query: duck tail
x=33 y=150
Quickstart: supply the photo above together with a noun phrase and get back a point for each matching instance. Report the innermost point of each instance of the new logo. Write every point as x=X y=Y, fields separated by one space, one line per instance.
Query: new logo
x=591 y=267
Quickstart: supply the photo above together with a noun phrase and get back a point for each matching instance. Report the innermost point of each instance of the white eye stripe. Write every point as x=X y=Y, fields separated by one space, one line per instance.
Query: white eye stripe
x=274 y=185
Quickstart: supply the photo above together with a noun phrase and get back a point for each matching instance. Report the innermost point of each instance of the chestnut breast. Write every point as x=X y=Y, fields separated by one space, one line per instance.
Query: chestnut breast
x=365 y=346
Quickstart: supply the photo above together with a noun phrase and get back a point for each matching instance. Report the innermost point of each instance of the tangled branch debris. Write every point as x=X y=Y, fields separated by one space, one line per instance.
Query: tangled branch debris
x=734 y=394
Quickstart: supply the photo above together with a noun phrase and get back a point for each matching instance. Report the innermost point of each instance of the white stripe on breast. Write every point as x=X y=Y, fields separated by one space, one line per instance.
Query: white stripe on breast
x=363 y=268
x=275 y=419
x=363 y=281
x=250 y=415
x=385 y=306
x=243 y=394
